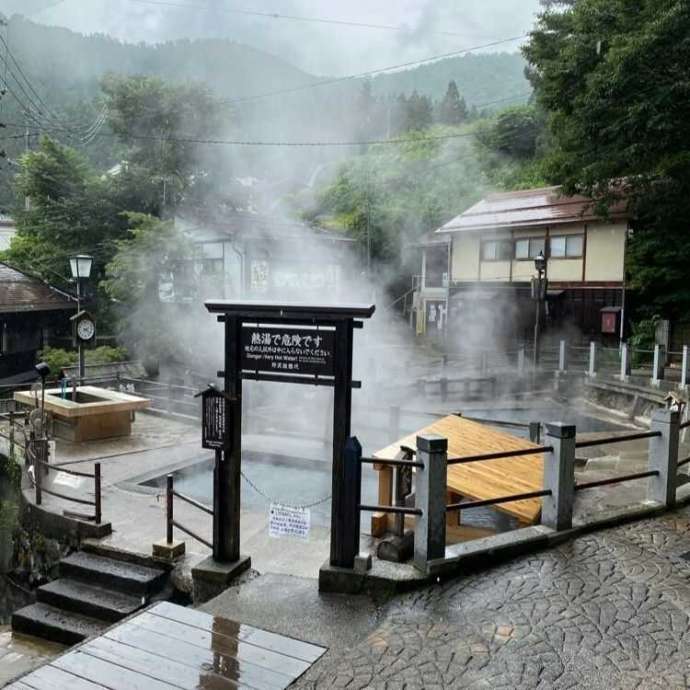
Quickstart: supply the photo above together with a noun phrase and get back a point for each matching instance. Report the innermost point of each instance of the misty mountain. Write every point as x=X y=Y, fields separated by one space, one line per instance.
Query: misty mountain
x=481 y=78
x=66 y=66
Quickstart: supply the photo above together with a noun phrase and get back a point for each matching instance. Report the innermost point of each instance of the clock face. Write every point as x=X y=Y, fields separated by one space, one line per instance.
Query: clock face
x=86 y=329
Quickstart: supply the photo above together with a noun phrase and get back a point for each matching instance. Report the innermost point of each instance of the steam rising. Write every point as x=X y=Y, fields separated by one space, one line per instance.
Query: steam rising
x=317 y=48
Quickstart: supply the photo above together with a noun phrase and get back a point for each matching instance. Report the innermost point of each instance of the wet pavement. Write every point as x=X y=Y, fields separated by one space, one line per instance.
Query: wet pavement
x=607 y=610
x=277 y=468
x=20 y=654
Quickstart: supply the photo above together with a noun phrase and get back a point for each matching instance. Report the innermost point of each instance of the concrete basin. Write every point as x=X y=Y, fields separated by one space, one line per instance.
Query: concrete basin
x=94 y=413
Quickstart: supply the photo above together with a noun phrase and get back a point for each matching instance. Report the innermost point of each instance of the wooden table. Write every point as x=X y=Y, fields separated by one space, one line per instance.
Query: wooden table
x=479 y=480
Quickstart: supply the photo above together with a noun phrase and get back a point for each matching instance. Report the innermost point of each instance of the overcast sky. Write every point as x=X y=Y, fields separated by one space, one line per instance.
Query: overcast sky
x=319 y=48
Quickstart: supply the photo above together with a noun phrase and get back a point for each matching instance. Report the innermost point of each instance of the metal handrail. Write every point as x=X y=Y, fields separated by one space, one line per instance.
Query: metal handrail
x=617 y=439
x=193 y=502
x=170 y=521
x=494 y=422
x=191 y=534
x=499 y=455
x=497 y=501
x=401 y=510
x=39 y=464
x=60 y=468
x=82 y=501
x=393 y=462
x=616 y=480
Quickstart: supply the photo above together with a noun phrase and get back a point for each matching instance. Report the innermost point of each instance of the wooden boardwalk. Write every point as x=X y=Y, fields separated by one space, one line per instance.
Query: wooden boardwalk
x=169 y=646
x=489 y=478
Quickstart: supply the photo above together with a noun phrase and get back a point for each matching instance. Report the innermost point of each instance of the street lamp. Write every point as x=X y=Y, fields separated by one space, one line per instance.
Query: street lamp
x=80 y=266
x=538 y=293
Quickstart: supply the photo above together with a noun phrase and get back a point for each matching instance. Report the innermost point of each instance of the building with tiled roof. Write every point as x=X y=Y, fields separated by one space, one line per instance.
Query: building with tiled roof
x=486 y=266
x=31 y=311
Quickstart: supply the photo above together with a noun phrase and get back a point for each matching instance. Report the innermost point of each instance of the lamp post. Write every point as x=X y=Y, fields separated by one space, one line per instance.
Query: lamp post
x=80 y=266
x=538 y=290
x=43 y=370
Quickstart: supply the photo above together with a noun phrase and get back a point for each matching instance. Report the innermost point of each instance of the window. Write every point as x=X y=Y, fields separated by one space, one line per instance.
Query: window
x=568 y=246
x=497 y=250
x=529 y=248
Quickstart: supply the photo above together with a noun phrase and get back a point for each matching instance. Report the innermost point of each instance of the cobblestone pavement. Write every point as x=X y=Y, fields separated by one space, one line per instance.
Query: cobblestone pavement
x=607 y=610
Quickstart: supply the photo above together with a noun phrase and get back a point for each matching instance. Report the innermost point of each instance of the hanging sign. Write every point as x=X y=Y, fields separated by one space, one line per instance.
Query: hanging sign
x=213 y=419
x=286 y=521
x=288 y=350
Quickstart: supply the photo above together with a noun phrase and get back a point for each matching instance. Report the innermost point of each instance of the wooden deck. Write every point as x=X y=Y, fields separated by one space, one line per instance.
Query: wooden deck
x=170 y=646
x=489 y=478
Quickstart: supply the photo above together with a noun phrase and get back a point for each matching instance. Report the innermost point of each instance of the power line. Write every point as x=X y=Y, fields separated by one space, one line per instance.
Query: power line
x=45 y=106
x=295 y=144
x=291 y=17
x=370 y=73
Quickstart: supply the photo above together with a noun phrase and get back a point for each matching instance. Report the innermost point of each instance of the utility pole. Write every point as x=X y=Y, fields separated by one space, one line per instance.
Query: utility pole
x=539 y=291
x=80 y=345
x=368 y=216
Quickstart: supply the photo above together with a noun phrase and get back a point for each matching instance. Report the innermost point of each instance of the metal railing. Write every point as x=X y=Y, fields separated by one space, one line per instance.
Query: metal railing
x=616 y=480
x=427 y=501
x=170 y=522
x=617 y=439
x=38 y=454
x=468 y=505
x=499 y=455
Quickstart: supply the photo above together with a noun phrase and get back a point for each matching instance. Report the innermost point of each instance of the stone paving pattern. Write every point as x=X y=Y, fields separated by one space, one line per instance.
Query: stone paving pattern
x=607 y=610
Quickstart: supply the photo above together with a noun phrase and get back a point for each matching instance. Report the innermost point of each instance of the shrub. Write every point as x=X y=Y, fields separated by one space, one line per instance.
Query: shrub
x=57 y=358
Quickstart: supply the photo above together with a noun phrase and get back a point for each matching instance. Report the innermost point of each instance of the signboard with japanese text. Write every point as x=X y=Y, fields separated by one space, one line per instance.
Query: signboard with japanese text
x=288 y=350
x=213 y=420
x=286 y=521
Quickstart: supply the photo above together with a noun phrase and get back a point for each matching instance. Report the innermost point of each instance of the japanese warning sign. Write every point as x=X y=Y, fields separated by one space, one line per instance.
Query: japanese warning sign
x=288 y=350
x=285 y=521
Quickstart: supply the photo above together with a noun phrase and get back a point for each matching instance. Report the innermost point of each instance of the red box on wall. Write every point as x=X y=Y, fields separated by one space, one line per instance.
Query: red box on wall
x=610 y=320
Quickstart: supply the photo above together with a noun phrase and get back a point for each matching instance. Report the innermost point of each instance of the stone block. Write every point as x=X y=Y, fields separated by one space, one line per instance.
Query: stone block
x=168 y=551
x=362 y=562
x=210 y=577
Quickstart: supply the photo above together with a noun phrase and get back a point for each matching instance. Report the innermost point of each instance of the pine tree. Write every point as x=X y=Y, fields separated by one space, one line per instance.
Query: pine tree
x=453 y=109
x=419 y=114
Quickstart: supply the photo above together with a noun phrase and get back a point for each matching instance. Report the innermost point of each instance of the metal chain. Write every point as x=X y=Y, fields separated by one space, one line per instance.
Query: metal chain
x=261 y=493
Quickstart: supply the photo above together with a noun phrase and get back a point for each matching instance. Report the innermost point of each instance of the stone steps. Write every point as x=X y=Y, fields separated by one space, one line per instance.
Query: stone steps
x=126 y=577
x=98 y=602
x=92 y=592
x=54 y=624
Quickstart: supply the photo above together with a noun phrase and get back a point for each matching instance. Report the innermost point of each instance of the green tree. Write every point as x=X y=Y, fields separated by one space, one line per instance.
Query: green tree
x=155 y=252
x=419 y=112
x=452 y=109
x=614 y=78
x=162 y=125
x=64 y=207
x=513 y=132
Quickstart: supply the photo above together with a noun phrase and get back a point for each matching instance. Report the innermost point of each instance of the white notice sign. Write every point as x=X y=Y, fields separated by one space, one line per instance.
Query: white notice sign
x=285 y=521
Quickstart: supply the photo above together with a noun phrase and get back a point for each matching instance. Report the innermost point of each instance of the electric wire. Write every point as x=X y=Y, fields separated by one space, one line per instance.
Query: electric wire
x=292 y=17
x=371 y=73
x=399 y=141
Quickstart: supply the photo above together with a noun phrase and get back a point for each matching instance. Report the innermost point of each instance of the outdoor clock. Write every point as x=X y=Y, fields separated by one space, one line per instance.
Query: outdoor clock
x=84 y=327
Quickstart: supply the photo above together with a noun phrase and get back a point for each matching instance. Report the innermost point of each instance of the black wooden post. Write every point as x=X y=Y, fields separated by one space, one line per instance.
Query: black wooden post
x=169 y=509
x=311 y=357
x=227 y=477
x=97 y=491
x=342 y=407
x=38 y=468
x=346 y=524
